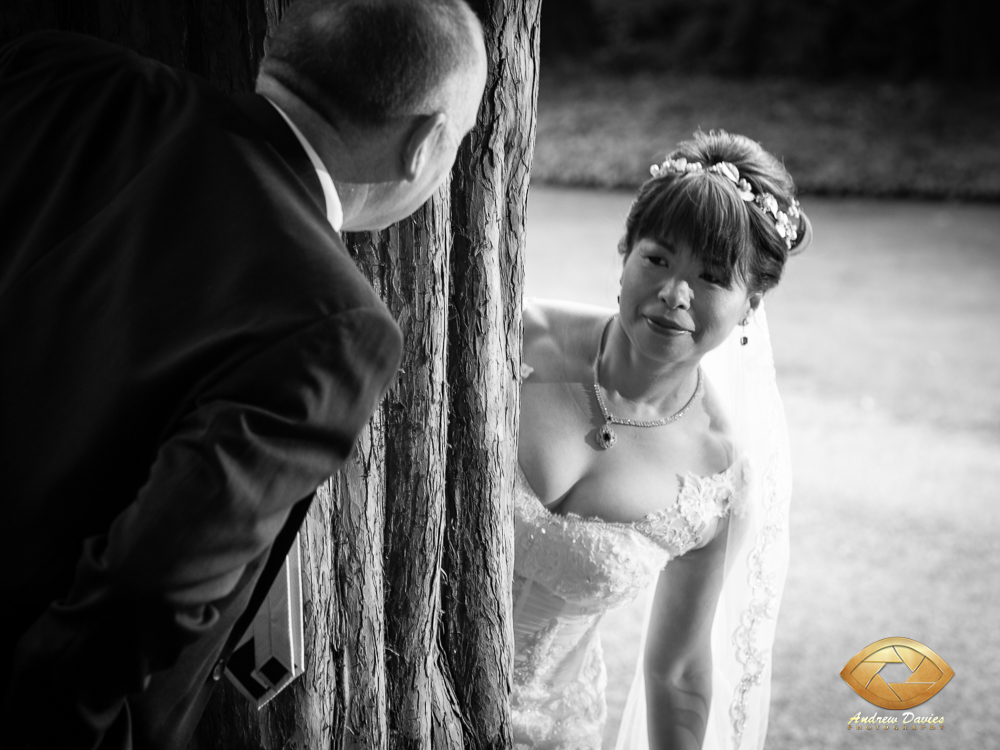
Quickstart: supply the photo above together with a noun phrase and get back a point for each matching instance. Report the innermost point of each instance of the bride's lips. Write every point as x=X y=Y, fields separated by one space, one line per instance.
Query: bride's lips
x=666 y=326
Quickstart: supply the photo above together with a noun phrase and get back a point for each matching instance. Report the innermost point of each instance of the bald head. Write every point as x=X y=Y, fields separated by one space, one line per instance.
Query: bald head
x=372 y=61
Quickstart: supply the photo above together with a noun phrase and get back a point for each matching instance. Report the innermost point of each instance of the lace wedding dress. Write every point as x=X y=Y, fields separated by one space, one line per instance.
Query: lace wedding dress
x=568 y=572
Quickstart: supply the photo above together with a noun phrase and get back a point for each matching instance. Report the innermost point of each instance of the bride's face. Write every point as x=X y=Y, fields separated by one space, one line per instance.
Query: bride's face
x=672 y=307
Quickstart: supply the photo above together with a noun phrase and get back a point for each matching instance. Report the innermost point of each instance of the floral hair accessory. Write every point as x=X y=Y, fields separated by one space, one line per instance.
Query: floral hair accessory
x=783 y=224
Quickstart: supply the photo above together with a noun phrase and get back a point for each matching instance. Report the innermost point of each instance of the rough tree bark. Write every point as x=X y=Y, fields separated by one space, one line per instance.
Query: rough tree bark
x=399 y=655
x=414 y=256
x=489 y=197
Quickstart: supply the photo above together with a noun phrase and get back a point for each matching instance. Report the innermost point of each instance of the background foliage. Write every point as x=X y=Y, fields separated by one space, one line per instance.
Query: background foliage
x=865 y=137
x=858 y=97
x=902 y=39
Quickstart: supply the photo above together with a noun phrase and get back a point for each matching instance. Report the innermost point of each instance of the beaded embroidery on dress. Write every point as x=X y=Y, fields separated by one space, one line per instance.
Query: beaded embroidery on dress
x=568 y=572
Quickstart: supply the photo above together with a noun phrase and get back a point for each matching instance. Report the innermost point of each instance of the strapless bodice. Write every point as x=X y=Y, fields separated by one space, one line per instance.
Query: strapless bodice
x=570 y=570
x=598 y=565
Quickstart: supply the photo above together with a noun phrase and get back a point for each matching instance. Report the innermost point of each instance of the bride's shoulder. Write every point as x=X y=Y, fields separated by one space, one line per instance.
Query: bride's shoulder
x=559 y=336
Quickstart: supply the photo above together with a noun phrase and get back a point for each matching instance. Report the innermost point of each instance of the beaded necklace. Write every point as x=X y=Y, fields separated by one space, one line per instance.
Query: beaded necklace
x=606 y=436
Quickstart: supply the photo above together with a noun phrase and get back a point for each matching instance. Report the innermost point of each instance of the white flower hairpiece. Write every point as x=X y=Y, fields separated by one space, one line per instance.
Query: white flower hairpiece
x=783 y=224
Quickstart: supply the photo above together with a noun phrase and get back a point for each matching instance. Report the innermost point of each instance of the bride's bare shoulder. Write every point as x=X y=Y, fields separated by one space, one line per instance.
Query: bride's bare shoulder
x=559 y=336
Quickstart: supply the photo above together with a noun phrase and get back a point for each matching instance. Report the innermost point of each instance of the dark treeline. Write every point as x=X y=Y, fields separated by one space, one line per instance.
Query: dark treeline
x=898 y=39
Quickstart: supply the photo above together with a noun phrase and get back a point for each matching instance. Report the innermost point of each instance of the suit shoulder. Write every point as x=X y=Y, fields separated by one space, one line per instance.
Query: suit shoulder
x=62 y=59
x=53 y=47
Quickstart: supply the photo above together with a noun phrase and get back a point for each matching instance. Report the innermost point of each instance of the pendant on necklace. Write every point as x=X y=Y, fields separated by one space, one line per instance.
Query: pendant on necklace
x=606 y=437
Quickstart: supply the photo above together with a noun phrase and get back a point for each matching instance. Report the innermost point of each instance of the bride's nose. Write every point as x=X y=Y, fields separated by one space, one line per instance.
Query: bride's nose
x=675 y=293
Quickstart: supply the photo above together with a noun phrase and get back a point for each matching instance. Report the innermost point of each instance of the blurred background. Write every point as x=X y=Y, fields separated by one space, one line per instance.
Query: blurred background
x=886 y=332
x=861 y=97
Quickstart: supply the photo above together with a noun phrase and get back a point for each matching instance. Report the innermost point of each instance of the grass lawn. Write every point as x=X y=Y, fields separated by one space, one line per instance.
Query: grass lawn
x=885 y=335
x=850 y=138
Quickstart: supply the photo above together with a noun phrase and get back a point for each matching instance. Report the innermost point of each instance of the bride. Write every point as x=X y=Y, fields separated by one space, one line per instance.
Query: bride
x=653 y=461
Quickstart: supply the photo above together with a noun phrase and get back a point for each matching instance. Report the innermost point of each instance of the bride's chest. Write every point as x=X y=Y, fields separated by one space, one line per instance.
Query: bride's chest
x=638 y=476
x=585 y=560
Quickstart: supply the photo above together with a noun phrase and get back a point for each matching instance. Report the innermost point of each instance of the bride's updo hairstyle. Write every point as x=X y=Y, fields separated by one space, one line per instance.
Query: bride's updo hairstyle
x=730 y=224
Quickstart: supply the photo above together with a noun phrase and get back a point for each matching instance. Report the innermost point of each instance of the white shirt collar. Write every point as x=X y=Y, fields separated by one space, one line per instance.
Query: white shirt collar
x=334 y=210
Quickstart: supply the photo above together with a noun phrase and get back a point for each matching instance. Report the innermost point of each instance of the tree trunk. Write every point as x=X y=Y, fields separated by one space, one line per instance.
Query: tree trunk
x=414 y=255
x=489 y=198
x=397 y=654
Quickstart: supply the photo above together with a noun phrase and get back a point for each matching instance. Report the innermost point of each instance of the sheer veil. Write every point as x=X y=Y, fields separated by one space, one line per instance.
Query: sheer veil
x=756 y=552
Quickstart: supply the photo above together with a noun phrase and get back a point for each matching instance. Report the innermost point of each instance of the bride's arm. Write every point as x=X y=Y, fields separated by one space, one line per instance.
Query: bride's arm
x=678 y=658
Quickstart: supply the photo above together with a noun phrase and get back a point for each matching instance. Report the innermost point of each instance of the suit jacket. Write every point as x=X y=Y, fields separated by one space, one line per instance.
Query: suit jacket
x=186 y=352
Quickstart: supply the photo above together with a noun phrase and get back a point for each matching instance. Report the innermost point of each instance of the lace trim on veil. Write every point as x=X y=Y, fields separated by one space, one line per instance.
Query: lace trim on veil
x=763 y=599
x=767 y=556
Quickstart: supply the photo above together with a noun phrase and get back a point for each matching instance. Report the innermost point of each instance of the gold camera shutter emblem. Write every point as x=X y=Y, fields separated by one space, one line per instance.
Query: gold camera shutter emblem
x=928 y=673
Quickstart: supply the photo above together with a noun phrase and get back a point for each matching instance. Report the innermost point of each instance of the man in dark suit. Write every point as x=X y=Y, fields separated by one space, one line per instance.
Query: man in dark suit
x=186 y=348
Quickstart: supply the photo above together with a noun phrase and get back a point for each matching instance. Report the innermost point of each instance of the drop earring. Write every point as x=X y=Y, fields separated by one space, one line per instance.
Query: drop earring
x=743 y=338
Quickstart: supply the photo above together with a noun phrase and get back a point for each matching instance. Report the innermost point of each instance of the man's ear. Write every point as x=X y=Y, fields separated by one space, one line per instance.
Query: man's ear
x=421 y=142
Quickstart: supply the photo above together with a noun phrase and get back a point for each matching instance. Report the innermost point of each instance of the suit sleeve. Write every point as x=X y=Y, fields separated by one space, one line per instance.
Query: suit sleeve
x=219 y=492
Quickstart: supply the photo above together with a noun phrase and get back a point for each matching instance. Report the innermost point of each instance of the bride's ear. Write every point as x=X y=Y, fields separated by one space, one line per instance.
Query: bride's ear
x=755 y=300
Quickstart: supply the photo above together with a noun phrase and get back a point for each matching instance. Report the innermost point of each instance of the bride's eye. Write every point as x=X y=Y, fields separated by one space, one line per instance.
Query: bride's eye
x=715 y=279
